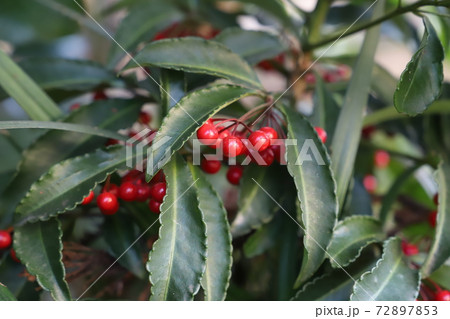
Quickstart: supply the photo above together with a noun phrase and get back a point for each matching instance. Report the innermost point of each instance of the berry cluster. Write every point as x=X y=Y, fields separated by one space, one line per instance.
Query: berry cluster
x=261 y=145
x=132 y=188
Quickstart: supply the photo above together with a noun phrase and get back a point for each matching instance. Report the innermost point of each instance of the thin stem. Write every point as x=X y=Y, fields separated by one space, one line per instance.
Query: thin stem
x=317 y=19
x=367 y=25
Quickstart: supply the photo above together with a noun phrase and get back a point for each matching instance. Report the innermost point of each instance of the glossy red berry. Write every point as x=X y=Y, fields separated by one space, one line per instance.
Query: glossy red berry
x=100 y=95
x=127 y=191
x=154 y=206
x=322 y=134
x=259 y=140
x=409 y=249
x=222 y=135
x=436 y=199
x=158 y=191
x=381 y=159
x=267 y=156
x=143 y=192
x=88 y=199
x=210 y=166
x=113 y=189
x=14 y=256
x=232 y=146
x=270 y=132
x=234 y=174
x=145 y=118
x=432 y=217
x=108 y=203
x=132 y=176
x=5 y=239
x=370 y=183
x=443 y=295
x=207 y=133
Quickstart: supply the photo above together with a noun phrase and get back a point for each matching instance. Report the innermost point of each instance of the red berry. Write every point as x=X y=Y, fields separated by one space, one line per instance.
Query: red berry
x=207 y=133
x=436 y=199
x=154 y=206
x=270 y=132
x=143 y=192
x=381 y=159
x=111 y=141
x=232 y=146
x=210 y=166
x=132 y=176
x=108 y=203
x=158 y=191
x=88 y=199
x=234 y=174
x=159 y=177
x=128 y=191
x=432 y=217
x=5 y=239
x=259 y=140
x=443 y=295
x=330 y=77
x=222 y=135
x=100 y=95
x=268 y=157
x=74 y=107
x=14 y=256
x=310 y=78
x=370 y=183
x=113 y=189
x=266 y=65
x=322 y=134
x=145 y=118
x=409 y=249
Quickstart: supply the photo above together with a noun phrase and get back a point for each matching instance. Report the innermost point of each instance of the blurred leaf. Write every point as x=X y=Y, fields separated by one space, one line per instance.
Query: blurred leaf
x=440 y=249
x=25 y=91
x=57 y=73
x=55 y=146
x=350 y=237
x=141 y=24
x=5 y=294
x=316 y=190
x=66 y=183
x=442 y=276
x=253 y=46
x=187 y=116
x=39 y=247
x=390 y=280
x=120 y=235
x=256 y=207
x=197 y=55
x=178 y=258
x=348 y=128
x=421 y=82
x=11 y=276
x=263 y=238
x=217 y=275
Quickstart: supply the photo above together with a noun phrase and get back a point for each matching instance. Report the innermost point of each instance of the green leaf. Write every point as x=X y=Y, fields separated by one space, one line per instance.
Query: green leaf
x=390 y=280
x=70 y=127
x=253 y=46
x=420 y=84
x=187 y=116
x=255 y=206
x=442 y=276
x=348 y=128
x=39 y=247
x=197 y=55
x=25 y=91
x=173 y=88
x=326 y=110
x=120 y=235
x=440 y=249
x=5 y=294
x=263 y=239
x=141 y=24
x=56 y=73
x=316 y=190
x=55 y=146
x=66 y=183
x=350 y=236
x=335 y=285
x=217 y=275
x=178 y=258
